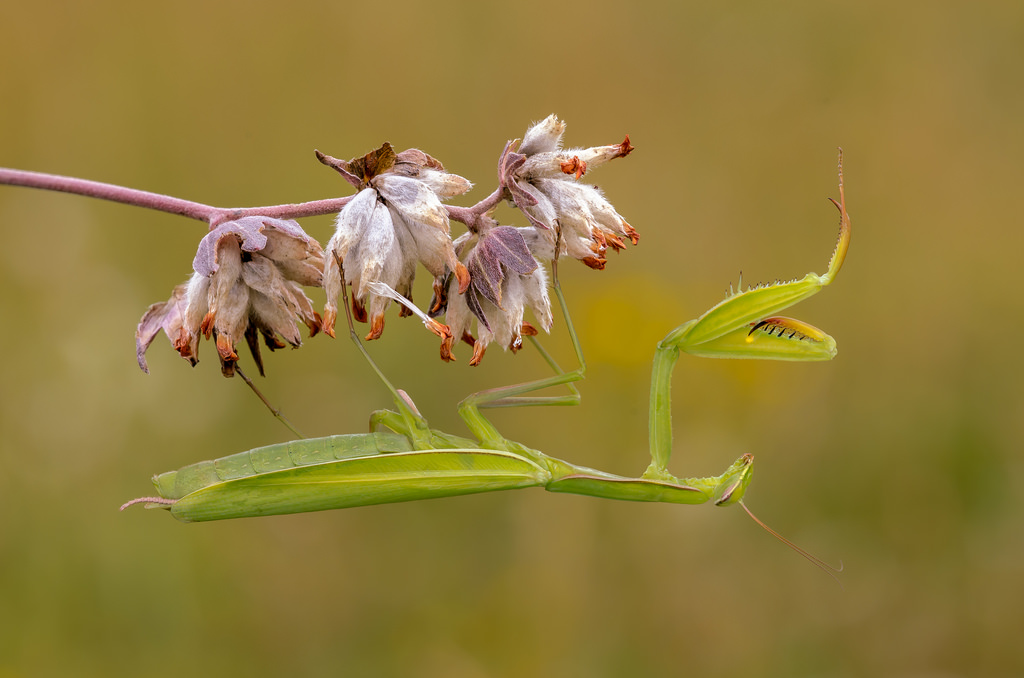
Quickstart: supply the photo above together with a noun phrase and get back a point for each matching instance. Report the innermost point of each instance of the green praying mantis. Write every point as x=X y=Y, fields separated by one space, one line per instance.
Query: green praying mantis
x=403 y=459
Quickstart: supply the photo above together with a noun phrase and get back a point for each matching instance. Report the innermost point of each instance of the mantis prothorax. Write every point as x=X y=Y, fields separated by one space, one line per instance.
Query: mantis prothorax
x=402 y=459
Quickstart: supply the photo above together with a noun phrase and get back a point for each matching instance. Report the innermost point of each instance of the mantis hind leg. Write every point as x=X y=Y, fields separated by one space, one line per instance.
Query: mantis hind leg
x=515 y=394
x=407 y=420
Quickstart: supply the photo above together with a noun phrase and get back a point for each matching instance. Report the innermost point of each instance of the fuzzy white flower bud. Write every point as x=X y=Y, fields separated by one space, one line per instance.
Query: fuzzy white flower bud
x=543 y=137
x=542 y=180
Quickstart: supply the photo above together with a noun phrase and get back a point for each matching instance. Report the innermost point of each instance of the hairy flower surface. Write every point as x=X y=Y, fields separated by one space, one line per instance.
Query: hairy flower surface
x=505 y=280
x=543 y=181
x=395 y=221
x=247 y=282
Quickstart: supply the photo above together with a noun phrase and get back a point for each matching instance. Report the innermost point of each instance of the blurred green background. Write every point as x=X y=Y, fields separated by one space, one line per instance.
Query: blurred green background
x=902 y=457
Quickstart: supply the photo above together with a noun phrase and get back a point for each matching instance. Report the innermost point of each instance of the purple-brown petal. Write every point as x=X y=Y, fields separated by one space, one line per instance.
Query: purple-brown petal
x=165 y=315
x=503 y=247
x=508 y=245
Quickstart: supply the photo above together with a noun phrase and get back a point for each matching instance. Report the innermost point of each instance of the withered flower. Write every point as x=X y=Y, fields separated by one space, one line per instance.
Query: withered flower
x=247 y=282
x=505 y=279
x=543 y=180
x=394 y=221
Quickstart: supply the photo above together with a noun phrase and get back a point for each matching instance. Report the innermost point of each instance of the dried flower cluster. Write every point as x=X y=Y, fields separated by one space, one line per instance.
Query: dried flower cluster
x=247 y=282
x=249 y=272
x=543 y=180
x=394 y=221
x=505 y=279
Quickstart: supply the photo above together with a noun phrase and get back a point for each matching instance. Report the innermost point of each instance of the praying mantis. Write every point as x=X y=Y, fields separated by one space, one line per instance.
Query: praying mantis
x=403 y=459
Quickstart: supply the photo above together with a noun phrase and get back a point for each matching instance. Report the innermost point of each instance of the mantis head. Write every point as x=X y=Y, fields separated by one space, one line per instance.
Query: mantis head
x=732 y=484
x=729 y=488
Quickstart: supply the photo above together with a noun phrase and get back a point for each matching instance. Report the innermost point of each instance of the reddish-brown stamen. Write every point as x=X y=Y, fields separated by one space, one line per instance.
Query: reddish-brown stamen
x=328 y=322
x=376 y=327
x=615 y=242
x=462 y=274
x=206 y=326
x=358 y=310
x=631 y=233
x=440 y=297
x=625 y=148
x=183 y=344
x=225 y=348
x=315 y=324
x=478 y=353
x=574 y=166
x=440 y=329
x=446 y=349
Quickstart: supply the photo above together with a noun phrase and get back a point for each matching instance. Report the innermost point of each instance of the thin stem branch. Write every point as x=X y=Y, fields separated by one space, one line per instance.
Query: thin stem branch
x=165 y=203
x=208 y=213
x=290 y=211
x=97 y=189
x=470 y=215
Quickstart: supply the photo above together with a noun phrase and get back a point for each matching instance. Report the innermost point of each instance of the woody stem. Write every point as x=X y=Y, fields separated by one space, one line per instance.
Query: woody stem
x=208 y=213
x=470 y=215
x=97 y=189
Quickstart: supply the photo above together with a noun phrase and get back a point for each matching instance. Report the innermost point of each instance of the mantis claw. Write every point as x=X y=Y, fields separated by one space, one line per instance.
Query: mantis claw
x=724 y=330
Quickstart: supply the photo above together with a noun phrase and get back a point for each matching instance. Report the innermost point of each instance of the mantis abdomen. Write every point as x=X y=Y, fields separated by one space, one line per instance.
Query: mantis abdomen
x=177 y=484
x=361 y=480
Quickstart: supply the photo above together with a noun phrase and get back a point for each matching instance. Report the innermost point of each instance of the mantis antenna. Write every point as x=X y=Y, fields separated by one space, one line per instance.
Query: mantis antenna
x=278 y=414
x=830 y=570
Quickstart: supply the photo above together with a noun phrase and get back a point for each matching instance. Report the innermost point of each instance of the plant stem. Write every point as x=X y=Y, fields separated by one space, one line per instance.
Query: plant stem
x=289 y=211
x=165 y=203
x=212 y=215
x=469 y=215
x=97 y=189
